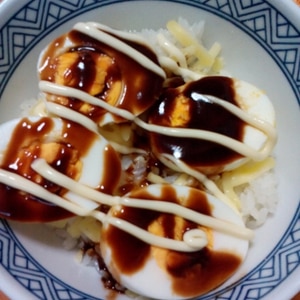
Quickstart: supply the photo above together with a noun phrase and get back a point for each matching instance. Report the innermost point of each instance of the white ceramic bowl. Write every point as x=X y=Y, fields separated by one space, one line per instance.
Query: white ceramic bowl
x=260 y=41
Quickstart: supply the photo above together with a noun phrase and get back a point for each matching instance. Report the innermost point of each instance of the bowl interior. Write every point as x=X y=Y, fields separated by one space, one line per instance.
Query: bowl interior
x=247 y=58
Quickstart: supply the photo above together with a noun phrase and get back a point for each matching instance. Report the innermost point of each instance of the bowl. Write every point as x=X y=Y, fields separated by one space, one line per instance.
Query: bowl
x=260 y=44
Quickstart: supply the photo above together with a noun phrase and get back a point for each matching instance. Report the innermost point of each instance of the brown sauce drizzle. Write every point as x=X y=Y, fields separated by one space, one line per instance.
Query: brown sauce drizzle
x=199 y=272
x=191 y=274
x=140 y=87
x=26 y=144
x=112 y=171
x=91 y=249
x=201 y=115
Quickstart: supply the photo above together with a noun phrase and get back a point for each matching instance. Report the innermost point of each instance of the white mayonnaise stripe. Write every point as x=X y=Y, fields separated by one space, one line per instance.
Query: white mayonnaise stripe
x=191 y=215
x=61 y=90
x=129 y=36
x=187 y=245
x=18 y=182
x=69 y=114
x=126 y=150
x=195 y=236
x=218 y=138
x=239 y=147
x=91 y=30
x=42 y=168
x=259 y=124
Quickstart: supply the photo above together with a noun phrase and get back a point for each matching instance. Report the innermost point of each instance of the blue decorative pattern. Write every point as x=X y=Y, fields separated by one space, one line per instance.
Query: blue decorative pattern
x=255 y=17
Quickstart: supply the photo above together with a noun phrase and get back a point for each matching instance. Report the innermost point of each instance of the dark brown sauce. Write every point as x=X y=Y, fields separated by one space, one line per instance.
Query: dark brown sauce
x=112 y=171
x=82 y=72
x=26 y=144
x=196 y=273
x=202 y=115
x=19 y=206
x=191 y=274
x=90 y=248
x=140 y=86
x=15 y=204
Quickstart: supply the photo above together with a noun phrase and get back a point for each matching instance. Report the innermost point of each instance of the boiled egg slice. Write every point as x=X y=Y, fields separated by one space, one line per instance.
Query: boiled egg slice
x=69 y=148
x=101 y=62
x=231 y=131
x=162 y=273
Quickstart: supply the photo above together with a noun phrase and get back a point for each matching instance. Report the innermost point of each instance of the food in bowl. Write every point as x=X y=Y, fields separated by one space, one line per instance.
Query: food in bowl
x=176 y=137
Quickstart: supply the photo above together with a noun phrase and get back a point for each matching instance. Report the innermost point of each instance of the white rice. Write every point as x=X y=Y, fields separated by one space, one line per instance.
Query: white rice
x=259 y=199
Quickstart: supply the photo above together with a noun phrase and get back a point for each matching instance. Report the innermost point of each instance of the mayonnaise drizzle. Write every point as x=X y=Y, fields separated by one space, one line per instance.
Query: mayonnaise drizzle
x=194 y=240
x=253 y=121
x=19 y=182
x=237 y=146
x=42 y=168
x=94 y=30
x=167 y=160
x=103 y=34
x=69 y=114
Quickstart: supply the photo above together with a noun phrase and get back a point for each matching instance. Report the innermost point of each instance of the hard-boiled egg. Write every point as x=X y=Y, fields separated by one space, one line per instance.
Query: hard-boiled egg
x=161 y=273
x=230 y=132
x=68 y=147
x=102 y=62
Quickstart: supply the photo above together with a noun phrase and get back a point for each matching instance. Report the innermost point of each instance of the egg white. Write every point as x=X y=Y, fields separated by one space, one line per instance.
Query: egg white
x=154 y=282
x=92 y=173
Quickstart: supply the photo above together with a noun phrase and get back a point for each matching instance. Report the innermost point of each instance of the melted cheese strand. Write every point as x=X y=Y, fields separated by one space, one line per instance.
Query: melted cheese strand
x=42 y=168
x=212 y=188
x=187 y=40
x=228 y=142
x=125 y=149
x=172 y=51
x=242 y=175
x=186 y=74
